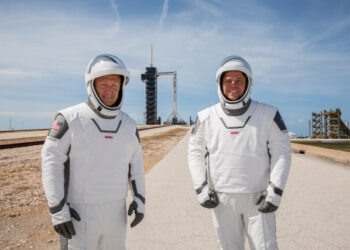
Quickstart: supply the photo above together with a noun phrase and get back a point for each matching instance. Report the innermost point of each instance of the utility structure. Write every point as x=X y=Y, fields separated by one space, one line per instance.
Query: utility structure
x=150 y=78
x=328 y=124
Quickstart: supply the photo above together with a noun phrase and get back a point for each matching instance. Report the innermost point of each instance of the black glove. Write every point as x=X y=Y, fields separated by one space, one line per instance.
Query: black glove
x=66 y=229
x=266 y=207
x=207 y=198
x=138 y=216
x=213 y=200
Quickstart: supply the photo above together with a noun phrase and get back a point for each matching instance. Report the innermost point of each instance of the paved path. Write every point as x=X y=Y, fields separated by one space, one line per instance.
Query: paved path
x=174 y=219
x=315 y=209
x=314 y=214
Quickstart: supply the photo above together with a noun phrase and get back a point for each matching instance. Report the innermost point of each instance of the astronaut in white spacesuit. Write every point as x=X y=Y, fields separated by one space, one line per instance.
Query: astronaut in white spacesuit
x=90 y=155
x=249 y=155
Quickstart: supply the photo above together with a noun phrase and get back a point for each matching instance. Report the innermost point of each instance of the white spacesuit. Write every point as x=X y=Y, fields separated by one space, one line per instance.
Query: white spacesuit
x=91 y=153
x=249 y=156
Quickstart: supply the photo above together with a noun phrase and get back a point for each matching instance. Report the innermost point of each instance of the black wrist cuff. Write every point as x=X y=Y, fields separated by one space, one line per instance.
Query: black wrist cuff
x=276 y=190
x=199 y=190
x=57 y=208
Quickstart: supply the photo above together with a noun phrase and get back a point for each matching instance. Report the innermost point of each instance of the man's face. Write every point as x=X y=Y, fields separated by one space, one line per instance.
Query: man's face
x=107 y=88
x=233 y=85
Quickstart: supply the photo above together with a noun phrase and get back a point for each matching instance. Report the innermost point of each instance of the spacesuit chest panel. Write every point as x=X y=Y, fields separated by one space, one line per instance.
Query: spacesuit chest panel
x=241 y=135
x=104 y=136
x=100 y=154
x=237 y=148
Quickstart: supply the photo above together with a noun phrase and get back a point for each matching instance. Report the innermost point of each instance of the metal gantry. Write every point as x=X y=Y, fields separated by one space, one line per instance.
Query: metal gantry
x=329 y=125
x=174 y=118
x=150 y=78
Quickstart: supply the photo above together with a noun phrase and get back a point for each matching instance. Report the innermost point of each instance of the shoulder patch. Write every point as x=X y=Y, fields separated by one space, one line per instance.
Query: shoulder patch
x=59 y=127
x=195 y=126
x=279 y=121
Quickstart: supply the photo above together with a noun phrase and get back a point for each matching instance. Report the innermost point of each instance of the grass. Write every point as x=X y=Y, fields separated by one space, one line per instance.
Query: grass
x=337 y=146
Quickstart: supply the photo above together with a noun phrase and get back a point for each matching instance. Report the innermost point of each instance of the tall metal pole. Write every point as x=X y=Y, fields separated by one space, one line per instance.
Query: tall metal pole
x=174 y=114
x=151 y=55
x=174 y=96
x=10 y=124
x=309 y=128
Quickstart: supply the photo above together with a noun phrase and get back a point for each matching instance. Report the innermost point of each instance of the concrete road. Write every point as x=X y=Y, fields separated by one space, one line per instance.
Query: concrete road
x=315 y=209
x=314 y=214
x=174 y=219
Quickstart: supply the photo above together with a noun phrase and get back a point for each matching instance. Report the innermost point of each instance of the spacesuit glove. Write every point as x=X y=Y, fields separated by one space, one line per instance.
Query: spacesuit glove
x=270 y=199
x=208 y=198
x=139 y=213
x=62 y=221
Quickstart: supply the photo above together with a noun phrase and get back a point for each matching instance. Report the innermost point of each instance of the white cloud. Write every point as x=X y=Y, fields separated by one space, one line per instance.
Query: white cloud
x=164 y=15
x=17 y=73
x=207 y=7
x=14 y=114
x=331 y=30
x=115 y=9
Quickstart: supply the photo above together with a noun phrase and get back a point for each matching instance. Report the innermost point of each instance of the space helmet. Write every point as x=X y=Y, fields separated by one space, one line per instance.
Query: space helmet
x=103 y=65
x=234 y=63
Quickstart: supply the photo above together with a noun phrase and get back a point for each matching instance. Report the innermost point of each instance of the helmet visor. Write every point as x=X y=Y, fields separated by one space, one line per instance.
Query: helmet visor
x=105 y=58
x=230 y=58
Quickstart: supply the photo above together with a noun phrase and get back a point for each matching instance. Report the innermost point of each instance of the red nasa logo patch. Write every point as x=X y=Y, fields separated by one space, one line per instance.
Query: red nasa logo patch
x=234 y=132
x=108 y=137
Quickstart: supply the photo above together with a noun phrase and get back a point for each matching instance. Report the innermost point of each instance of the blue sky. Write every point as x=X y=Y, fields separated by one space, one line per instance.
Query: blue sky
x=299 y=52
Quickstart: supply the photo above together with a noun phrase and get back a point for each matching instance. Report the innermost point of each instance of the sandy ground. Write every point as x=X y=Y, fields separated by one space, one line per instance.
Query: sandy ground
x=24 y=219
x=337 y=155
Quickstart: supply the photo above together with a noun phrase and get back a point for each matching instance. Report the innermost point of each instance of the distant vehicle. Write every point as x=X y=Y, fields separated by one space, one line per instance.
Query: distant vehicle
x=292 y=135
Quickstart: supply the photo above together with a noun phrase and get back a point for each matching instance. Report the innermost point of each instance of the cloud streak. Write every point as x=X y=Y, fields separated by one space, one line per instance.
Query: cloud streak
x=207 y=7
x=8 y=114
x=163 y=15
x=115 y=9
x=332 y=30
x=17 y=73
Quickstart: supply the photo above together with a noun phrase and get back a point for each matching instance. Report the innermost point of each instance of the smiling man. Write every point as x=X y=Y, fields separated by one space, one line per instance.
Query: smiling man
x=107 y=88
x=233 y=85
x=249 y=156
x=91 y=153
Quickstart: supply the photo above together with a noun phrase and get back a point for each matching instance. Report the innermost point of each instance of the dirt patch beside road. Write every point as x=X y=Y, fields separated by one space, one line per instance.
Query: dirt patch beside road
x=24 y=219
x=156 y=147
x=322 y=152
